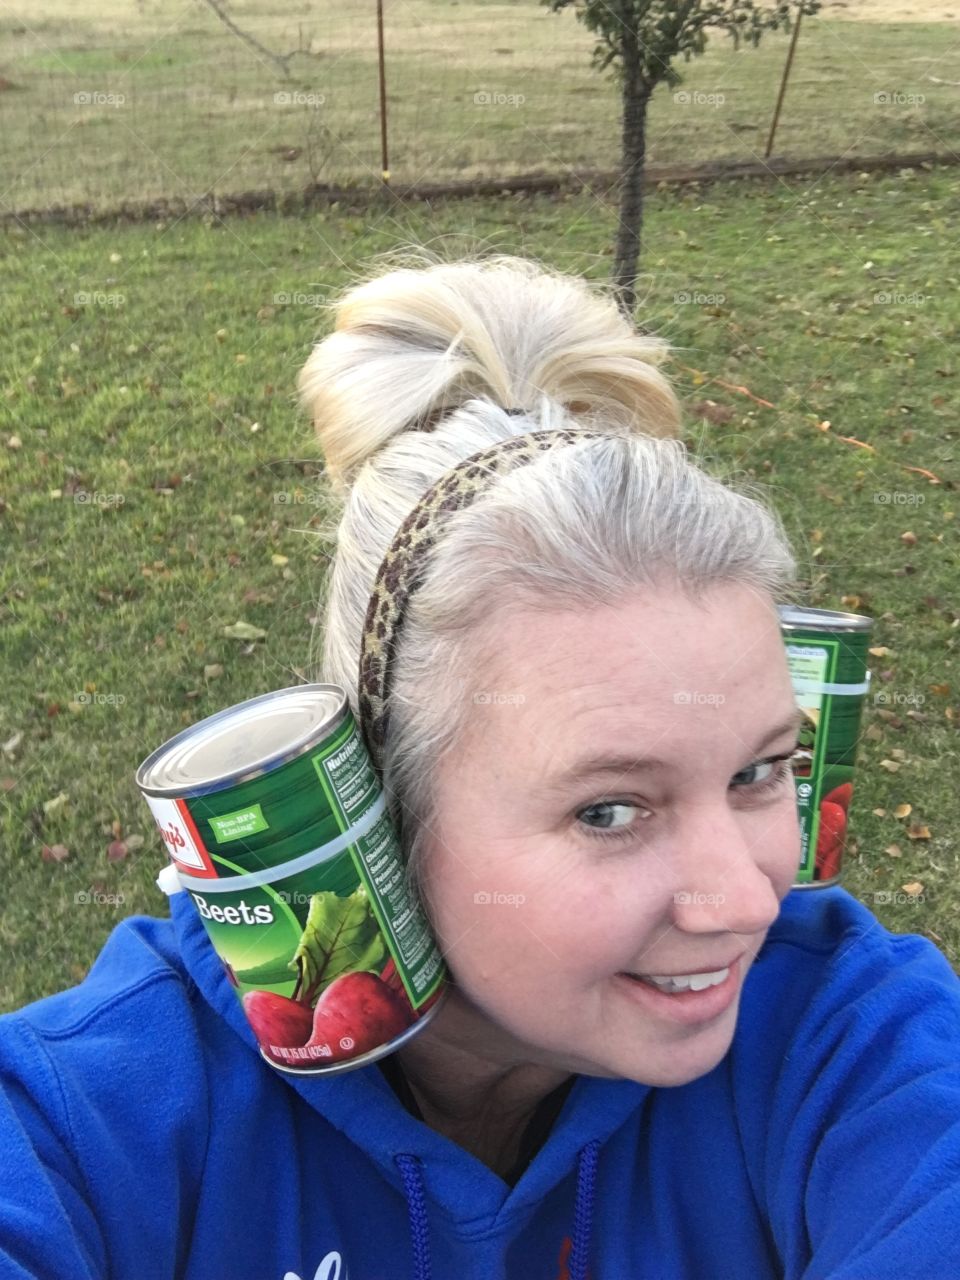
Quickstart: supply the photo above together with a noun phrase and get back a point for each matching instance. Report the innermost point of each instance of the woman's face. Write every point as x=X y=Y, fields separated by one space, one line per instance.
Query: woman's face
x=548 y=881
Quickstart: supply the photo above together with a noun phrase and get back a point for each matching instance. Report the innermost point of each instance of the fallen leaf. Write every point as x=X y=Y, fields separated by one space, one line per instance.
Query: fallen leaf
x=891 y=766
x=116 y=851
x=915 y=886
x=881 y=813
x=54 y=852
x=11 y=744
x=858 y=443
x=14 y=442
x=279 y=560
x=57 y=803
x=918 y=833
x=244 y=631
x=903 y=810
x=942 y=690
x=212 y=671
x=133 y=842
x=908 y=539
x=921 y=472
x=880 y=651
x=899 y=754
x=894 y=851
x=715 y=413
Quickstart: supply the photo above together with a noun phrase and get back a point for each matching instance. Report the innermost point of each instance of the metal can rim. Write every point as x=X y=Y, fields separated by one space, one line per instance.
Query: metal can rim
x=149 y=775
x=805 y=618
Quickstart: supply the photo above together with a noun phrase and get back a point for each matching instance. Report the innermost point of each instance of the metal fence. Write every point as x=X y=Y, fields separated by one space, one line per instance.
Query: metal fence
x=179 y=100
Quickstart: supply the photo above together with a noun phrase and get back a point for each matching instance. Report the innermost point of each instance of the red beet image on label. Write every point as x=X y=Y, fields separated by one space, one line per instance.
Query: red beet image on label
x=277 y=1020
x=833 y=827
x=356 y=1013
x=841 y=795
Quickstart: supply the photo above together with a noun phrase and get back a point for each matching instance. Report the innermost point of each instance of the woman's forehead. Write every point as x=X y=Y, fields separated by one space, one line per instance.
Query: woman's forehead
x=645 y=643
x=635 y=680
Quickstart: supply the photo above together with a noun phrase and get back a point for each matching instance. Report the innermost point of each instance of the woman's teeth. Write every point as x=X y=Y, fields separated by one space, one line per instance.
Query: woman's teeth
x=685 y=982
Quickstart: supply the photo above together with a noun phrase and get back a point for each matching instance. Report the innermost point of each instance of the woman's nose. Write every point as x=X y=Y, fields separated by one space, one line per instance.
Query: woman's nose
x=721 y=883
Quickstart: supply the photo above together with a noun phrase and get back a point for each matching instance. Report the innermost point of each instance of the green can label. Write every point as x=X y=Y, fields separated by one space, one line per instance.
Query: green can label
x=830 y=681
x=245 y=822
x=298 y=878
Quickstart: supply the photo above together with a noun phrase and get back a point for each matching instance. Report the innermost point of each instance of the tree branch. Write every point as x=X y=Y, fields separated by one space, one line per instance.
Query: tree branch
x=281 y=60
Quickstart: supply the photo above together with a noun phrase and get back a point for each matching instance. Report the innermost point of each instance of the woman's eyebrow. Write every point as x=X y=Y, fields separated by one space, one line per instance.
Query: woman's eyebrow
x=618 y=762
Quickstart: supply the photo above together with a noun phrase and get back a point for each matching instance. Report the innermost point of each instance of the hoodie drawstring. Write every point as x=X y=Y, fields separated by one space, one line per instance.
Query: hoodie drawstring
x=409 y=1167
x=416 y=1203
x=583 y=1211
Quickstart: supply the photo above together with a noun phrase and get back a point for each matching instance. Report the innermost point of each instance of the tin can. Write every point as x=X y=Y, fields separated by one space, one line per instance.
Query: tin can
x=273 y=815
x=827 y=657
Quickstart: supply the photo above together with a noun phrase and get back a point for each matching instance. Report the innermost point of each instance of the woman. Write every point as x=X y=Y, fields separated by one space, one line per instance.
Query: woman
x=577 y=693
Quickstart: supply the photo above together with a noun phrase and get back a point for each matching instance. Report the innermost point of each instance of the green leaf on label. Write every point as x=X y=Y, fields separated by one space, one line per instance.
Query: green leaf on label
x=341 y=934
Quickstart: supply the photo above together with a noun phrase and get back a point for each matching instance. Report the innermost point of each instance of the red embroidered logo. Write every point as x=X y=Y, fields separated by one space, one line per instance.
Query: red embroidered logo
x=565 y=1250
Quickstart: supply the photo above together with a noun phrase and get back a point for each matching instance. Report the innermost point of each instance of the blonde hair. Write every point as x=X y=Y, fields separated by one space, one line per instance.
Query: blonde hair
x=423 y=364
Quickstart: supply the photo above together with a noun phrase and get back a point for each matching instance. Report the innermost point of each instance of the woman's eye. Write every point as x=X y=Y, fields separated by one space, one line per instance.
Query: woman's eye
x=764 y=775
x=753 y=773
x=615 y=821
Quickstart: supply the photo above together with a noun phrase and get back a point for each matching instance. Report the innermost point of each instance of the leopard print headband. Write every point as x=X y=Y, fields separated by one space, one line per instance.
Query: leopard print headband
x=398 y=574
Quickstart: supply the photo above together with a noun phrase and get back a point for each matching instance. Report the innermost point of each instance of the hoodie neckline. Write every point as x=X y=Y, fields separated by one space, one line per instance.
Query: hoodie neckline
x=362 y=1105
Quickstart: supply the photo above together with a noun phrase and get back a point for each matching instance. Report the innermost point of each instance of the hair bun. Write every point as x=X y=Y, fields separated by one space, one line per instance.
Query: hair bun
x=415 y=343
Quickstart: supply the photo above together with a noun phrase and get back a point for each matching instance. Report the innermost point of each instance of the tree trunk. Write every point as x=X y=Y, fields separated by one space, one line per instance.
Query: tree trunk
x=636 y=95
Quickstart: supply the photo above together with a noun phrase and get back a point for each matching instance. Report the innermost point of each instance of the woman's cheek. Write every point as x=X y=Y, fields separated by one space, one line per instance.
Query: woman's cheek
x=780 y=844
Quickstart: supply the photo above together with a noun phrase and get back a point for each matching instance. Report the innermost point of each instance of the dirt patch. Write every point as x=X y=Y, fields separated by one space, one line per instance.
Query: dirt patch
x=892 y=10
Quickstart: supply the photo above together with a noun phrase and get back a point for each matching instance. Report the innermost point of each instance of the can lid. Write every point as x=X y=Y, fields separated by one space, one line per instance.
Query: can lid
x=801 y=617
x=243 y=741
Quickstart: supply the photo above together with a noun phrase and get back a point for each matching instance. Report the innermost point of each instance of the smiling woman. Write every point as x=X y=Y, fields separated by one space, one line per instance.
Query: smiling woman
x=561 y=640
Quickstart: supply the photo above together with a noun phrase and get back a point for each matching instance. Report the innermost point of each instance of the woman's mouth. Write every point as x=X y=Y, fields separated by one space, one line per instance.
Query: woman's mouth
x=687 y=999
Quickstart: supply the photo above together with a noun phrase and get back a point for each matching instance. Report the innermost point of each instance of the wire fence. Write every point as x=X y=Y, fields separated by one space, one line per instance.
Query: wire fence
x=107 y=104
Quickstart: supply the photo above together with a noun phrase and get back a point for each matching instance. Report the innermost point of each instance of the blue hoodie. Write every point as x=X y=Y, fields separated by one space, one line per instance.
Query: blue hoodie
x=142 y=1136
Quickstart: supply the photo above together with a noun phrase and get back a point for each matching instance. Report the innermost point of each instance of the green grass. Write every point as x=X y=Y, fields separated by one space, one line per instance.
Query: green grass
x=116 y=607
x=178 y=106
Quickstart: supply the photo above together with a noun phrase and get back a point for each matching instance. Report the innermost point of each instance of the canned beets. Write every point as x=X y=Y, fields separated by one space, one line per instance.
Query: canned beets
x=274 y=818
x=827 y=657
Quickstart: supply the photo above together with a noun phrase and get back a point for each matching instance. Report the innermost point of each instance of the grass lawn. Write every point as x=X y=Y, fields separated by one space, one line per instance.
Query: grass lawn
x=157 y=486
x=104 y=103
